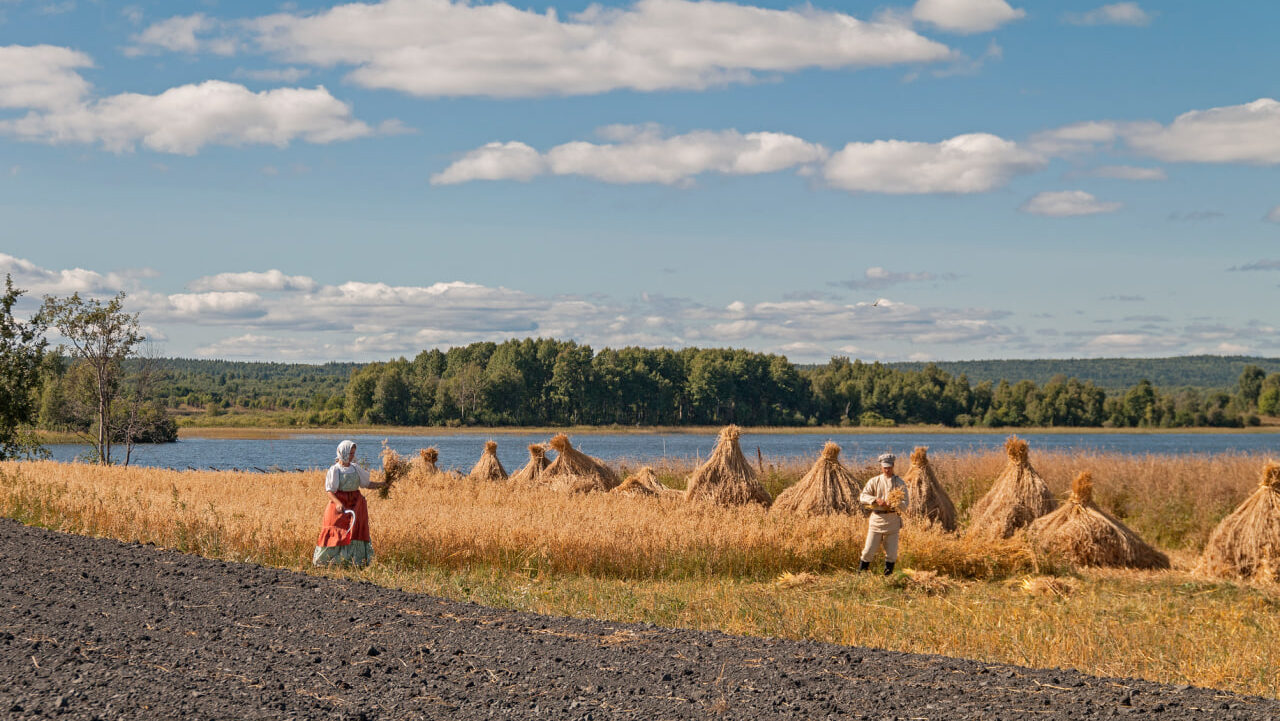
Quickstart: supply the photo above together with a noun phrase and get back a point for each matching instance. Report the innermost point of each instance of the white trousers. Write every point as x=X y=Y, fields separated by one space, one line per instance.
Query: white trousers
x=876 y=539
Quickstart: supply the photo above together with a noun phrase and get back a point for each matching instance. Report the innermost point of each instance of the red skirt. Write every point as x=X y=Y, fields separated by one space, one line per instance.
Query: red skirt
x=336 y=524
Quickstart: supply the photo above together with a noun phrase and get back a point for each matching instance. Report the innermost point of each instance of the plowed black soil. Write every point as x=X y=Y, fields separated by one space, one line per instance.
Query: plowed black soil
x=98 y=629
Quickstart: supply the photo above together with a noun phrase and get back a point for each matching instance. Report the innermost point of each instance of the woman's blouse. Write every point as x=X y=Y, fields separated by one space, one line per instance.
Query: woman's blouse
x=351 y=478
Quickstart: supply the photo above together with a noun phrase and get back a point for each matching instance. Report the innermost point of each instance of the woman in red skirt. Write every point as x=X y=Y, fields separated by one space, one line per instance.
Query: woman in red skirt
x=344 y=532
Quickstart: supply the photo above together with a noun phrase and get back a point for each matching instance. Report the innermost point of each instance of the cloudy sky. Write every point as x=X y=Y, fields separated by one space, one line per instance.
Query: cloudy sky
x=943 y=179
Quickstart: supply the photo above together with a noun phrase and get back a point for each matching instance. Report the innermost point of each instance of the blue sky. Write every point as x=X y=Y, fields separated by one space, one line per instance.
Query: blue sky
x=940 y=179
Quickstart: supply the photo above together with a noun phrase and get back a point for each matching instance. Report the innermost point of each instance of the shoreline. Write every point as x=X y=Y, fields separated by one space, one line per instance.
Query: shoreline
x=264 y=433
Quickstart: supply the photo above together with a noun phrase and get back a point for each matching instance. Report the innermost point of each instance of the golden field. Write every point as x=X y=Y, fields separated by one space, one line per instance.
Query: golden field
x=741 y=570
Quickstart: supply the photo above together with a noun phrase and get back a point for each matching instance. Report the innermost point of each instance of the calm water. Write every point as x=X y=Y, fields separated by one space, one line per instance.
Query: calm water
x=461 y=451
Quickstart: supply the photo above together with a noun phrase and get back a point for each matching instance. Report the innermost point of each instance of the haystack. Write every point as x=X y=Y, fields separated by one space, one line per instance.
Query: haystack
x=726 y=478
x=574 y=470
x=927 y=499
x=1089 y=536
x=1246 y=544
x=827 y=488
x=532 y=471
x=489 y=468
x=1018 y=497
x=644 y=483
x=424 y=465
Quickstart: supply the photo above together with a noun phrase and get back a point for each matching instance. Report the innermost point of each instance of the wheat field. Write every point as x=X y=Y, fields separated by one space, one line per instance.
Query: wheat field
x=742 y=570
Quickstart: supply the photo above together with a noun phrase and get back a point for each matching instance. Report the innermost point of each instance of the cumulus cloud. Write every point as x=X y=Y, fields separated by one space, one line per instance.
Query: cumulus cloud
x=966 y=16
x=1076 y=138
x=972 y=163
x=182 y=120
x=877 y=278
x=642 y=155
x=1122 y=13
x=41 y=77
x=180 y=34
x=1065 y=203
x=1248 y=134
x=433 y=48
x=39 y=281
x=271 y=280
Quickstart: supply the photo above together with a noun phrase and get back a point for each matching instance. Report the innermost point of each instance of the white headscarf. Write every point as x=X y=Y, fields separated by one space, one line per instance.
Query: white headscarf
x=344 y=451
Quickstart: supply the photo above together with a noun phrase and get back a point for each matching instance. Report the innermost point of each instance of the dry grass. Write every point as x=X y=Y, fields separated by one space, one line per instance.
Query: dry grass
x=702 y=566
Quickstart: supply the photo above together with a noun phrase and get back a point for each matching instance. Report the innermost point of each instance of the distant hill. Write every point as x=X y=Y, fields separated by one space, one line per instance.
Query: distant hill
x=1200 y=371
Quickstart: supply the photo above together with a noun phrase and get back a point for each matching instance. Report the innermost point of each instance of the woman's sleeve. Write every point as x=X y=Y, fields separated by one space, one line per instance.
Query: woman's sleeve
x=331 y=481
x=364 y=476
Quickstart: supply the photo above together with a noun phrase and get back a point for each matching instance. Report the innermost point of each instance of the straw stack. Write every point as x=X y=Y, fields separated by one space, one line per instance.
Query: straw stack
x=827 y=488
x=1018 y=497
x=726 y=478
x=488 y=468
x=394 y=467
x=927 y=499
x=1246 y=544
x=424 y=466
x=1089 y=536
x=532 y=471
x=644 y=484
x=575 y=471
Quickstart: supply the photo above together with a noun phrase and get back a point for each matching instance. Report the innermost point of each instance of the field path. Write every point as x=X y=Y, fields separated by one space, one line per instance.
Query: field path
x=94 y=628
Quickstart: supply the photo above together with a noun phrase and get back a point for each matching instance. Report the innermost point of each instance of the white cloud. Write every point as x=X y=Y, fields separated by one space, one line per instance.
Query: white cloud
x=253 y=345
x=971 y=163
x=1273 y=216
x=1126 y=172
x=1122 y=13
x=1133 y=343
x=178 y=34
x=966 y=16
x=271 y=280
x=38 y=281
x=433 y=48
x=1065 y=203
x=1248 y=133
x=184 y=119
x=41 y=76
x=642 y=155
x=1075 y=138
x=215 y=305
x=494 y=161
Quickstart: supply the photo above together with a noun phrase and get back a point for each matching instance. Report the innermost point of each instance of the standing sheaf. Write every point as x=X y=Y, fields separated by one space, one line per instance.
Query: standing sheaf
x=727 y=478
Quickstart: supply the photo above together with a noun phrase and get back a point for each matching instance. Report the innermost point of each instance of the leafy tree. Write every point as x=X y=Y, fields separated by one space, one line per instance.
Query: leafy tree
x=22 y=347
x=102 y=336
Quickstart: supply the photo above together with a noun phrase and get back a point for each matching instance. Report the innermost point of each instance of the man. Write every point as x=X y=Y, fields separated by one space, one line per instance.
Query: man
x=885 y=521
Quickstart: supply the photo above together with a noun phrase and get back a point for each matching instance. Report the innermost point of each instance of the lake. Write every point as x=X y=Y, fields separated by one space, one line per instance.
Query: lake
x=460 y=451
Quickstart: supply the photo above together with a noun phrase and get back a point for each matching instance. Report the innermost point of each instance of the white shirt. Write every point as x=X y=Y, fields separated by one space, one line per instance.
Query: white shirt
x=351 y=478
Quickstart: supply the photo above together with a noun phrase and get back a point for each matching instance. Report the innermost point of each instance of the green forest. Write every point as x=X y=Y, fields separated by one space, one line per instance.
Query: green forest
x=553 y=382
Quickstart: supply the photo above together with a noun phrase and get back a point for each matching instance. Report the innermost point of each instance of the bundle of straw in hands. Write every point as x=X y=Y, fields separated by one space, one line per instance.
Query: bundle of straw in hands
x=394 y=467
x=895 y=499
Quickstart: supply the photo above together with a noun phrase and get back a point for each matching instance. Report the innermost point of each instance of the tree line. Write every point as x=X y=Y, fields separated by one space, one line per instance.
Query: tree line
x=552 y=382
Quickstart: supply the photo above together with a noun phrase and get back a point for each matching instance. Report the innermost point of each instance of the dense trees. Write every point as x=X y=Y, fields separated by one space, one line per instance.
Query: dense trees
x=550 y=382
x=544 y=381
x=21 y=352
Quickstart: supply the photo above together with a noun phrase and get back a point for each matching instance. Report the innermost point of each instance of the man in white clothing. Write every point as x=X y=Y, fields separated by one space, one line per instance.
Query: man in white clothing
x=885 y=521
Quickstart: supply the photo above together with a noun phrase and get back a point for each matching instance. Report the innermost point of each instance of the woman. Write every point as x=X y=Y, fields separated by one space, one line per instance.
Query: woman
x=344 y=532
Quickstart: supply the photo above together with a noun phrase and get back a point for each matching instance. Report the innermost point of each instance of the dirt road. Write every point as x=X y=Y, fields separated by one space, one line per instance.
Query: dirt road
x=95 y=629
